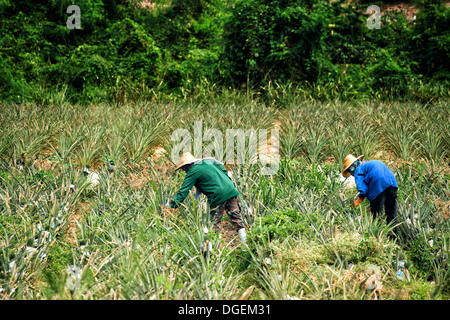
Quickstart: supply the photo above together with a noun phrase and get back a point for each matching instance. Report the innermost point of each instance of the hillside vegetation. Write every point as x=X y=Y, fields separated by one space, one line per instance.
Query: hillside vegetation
x=130 y=50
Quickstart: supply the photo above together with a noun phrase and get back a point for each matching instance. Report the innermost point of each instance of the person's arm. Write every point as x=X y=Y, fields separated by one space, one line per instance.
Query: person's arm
x=361 y=185
x=187 y=185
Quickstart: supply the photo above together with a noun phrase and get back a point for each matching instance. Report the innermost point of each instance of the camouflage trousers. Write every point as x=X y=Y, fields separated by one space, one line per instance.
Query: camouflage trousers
x=233 y=209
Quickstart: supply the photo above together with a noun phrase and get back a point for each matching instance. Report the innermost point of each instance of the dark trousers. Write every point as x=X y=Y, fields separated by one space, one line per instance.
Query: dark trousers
x=388 y=200
x=233 y=209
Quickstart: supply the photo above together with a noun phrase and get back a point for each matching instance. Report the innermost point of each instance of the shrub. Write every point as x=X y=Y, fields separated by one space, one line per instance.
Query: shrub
x=274 y=40
x=430 y=41
x=387 y=74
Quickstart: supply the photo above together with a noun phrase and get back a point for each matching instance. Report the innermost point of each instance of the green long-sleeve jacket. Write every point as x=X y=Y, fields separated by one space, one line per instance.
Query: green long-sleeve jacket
x=211 y=179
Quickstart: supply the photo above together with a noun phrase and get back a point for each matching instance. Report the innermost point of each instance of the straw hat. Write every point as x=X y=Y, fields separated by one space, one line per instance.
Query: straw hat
x=185 y=158
x=348 y=161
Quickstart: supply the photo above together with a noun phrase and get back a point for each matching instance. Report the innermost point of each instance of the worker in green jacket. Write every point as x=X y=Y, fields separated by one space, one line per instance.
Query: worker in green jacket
x=211 y=178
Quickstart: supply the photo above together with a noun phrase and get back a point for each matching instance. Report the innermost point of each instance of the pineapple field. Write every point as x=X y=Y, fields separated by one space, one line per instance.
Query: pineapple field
x=83 y=193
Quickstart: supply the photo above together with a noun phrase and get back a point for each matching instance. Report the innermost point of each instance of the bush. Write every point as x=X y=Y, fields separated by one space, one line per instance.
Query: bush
x=125 y=51
x=389 y=75
x=430 y=41
x=191 y=42
x=274 y=41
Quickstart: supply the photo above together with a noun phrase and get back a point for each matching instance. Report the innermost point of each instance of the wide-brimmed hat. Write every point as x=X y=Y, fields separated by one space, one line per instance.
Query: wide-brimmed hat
x=185 y=158
x=348 y=161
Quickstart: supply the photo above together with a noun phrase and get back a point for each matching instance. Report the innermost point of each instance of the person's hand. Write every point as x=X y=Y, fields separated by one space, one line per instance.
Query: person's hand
x=357 y=202
x=167 y=207
x=167 y=211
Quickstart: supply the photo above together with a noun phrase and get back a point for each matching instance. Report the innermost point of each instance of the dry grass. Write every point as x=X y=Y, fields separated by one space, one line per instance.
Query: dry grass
x=77 y=214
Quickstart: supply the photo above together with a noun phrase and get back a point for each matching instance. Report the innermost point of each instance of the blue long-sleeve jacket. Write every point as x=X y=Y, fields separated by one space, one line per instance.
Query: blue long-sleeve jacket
x=373 y=177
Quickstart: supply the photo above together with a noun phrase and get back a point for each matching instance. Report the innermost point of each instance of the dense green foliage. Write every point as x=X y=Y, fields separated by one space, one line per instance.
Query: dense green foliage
x=310 y=68
x=126 y=51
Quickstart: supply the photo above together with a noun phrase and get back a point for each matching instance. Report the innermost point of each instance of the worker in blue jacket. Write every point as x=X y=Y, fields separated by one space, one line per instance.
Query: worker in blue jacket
x=376 y=182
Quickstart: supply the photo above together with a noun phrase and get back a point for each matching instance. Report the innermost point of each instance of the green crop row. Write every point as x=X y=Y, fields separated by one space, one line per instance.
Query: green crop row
x=62 y=238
